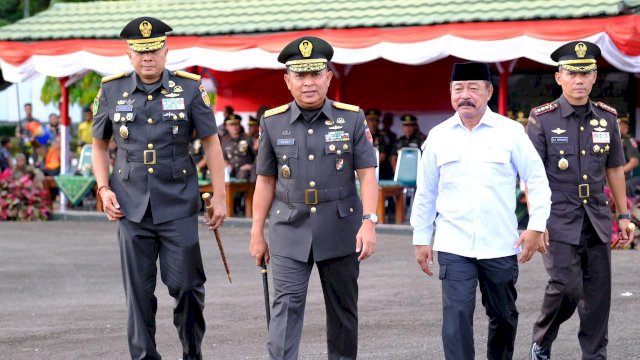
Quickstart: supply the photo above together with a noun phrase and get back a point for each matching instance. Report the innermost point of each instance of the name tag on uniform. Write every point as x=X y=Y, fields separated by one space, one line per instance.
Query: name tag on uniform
x=124 y=108
x=600 y=137
x=286 y=142
x=173 y=104
x=559 y=139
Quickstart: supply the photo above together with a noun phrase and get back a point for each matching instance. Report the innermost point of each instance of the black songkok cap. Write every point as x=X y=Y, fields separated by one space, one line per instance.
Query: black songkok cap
x=577 y=56
x=470 y=71
x=306 y=54
x=145 y=34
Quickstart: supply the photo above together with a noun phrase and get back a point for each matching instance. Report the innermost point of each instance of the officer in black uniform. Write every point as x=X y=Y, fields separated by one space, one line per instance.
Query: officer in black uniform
x=579 y=143
x=631 y=155
x=412 y=136
x=309 y=149
x=153 y=191
x=382 y=142
x=237 y=149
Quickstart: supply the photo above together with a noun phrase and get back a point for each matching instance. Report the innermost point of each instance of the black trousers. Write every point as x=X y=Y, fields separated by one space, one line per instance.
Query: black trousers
x=339 y=278
x=497 y=278
x=580 y=277
x=176 y=244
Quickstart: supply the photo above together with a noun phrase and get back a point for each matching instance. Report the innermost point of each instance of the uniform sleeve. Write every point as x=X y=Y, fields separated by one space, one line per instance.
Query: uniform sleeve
x=102 y=127
x=536 y=135
x=423 y=211
x=531 y=170
x=616 y=153
x=266 y=162
x=363 y=150
x=201 y=114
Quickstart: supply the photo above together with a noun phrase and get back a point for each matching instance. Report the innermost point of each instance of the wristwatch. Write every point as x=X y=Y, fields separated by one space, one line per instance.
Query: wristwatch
x=371 y=217
x=625 y=216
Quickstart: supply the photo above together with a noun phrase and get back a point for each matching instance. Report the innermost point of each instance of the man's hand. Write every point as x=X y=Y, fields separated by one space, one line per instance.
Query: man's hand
x=531 y=241
x=216 y=214
x=545 y=242
x=110 y=204
x=366 y=240
x=424 y=257
x=626 y=232
x=258 y=248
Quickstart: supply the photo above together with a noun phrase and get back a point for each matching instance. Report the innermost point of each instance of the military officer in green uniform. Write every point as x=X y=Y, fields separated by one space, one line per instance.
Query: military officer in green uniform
x=309 y=149
x=237 y=149
x=412 y=136
x=386 y=150
x=153 y=190
x=579 y=143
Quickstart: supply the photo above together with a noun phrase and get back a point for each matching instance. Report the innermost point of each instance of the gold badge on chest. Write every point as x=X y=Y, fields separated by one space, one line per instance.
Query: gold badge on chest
x=124 y=131
x=285 y=171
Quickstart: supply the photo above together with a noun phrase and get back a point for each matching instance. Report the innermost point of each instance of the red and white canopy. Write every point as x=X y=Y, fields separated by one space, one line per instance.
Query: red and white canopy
x=618 y=37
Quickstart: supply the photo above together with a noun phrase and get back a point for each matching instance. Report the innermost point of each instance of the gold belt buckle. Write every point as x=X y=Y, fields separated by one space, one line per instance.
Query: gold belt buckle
x=149 y=154
x=583 y=191
x=314 y=196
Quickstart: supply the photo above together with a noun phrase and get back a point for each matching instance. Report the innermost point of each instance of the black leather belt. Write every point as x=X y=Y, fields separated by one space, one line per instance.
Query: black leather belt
x=315 y=196
x=582 y=190
x=149 y=157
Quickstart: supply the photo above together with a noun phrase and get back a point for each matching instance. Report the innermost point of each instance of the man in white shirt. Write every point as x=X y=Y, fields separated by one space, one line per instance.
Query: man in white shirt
x=467 y=185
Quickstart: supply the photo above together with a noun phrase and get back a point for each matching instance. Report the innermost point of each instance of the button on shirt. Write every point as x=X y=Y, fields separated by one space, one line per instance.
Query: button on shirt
x=468 y=178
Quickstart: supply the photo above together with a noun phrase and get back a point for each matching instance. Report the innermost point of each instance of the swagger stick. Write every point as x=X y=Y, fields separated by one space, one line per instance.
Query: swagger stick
x=265 y=285
x=208 y=205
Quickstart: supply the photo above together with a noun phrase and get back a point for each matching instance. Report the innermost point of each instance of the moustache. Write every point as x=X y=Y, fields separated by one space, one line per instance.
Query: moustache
x=466 y=103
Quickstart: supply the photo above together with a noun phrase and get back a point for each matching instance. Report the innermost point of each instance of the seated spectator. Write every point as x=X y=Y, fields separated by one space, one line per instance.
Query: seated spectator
x=237 y=149
x=21 y=168
x=412 y=136
x=85 y=134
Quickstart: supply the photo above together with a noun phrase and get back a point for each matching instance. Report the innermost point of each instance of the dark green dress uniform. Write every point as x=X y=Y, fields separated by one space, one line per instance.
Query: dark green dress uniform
x=155 y=181
x=577 y=147
x=384 y=144
x=315 y=217
x=238 y=151
x=415 y=140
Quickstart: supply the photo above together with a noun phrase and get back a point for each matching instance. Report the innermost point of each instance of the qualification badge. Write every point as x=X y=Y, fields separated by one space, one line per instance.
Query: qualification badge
x=603 y=122
x=593 y=122
x=563 y=164
x=124 y=131
x=596 y=148
x=285 y=171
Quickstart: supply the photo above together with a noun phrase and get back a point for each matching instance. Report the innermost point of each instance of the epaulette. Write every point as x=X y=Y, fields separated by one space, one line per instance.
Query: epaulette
x=188 y=75
x=113 y=77
x=545 y=108
x=344 y=106
x=606 y=107
x=277 y=110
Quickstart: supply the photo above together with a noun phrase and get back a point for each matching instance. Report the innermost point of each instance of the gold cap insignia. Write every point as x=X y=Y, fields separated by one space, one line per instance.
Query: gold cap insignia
x=305 y=48
x=581 y=50
x=145 y=29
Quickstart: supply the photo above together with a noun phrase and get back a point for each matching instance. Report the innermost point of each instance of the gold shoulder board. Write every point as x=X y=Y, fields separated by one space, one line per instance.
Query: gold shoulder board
x=188 y=75
x=275 y=111
x=344 y=106
x=113 y=77
x=606 y=107
x=545 y=108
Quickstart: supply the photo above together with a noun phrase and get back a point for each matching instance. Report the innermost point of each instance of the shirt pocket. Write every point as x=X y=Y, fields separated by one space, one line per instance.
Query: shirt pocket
x=338 y=157
x=448 y=160
x=349 y=207
x=287 y=161
x=182 y=168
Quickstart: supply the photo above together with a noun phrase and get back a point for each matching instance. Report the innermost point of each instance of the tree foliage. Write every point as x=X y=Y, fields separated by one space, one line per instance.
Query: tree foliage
x=81 y=92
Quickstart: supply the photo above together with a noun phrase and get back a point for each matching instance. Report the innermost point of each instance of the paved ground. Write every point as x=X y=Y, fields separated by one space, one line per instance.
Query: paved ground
x=61 y=298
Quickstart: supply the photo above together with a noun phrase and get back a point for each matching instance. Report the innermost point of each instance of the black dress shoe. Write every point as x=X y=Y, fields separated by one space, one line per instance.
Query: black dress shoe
x=540 y=352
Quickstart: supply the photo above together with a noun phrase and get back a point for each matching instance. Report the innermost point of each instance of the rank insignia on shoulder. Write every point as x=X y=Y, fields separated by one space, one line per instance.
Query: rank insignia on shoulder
x=113 y=77
x=277 y=110
x=347 y=107
x=606 y=107
x=545 y=108
x=188 y=75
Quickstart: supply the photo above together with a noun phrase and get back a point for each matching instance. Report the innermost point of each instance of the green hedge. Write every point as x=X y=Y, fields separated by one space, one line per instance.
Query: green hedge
x=7 y=130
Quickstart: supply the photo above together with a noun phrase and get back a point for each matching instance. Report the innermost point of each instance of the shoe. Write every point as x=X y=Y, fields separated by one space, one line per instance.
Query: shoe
x=540 y=352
